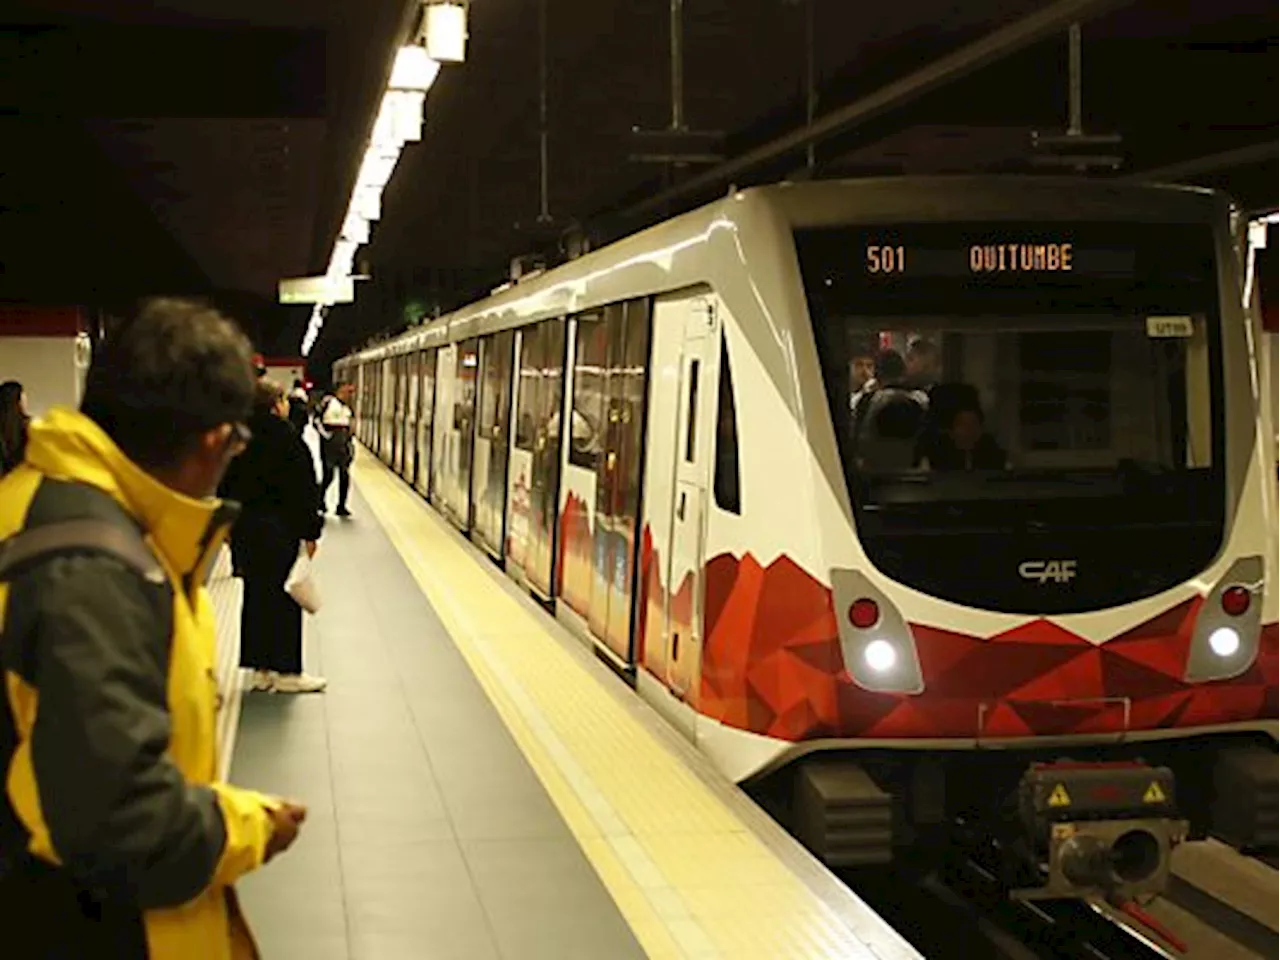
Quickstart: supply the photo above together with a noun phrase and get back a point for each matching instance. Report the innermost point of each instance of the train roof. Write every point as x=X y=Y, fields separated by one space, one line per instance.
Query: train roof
x=564 y=289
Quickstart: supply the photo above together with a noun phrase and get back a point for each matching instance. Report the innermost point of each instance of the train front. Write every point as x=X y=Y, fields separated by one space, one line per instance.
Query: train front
x=1052 y=618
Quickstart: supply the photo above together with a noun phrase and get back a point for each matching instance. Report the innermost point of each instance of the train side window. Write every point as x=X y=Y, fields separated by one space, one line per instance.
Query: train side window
x=590 y=374
x=727 y=487
x=691 y=422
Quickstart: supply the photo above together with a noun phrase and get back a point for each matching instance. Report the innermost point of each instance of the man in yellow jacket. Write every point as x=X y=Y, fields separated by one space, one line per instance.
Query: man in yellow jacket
x=116 y=840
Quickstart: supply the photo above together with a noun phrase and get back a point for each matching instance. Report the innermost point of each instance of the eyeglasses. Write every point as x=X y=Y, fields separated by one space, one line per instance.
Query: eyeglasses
x=240 y=437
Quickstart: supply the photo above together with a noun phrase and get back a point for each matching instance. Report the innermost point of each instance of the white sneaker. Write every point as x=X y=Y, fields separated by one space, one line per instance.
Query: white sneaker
x=298 y=683
x=261 y=681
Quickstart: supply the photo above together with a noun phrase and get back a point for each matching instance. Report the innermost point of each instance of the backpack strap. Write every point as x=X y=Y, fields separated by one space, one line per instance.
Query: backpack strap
x=28 y=547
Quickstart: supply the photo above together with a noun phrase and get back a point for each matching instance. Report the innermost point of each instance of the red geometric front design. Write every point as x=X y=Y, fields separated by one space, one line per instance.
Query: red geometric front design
x=771 y=664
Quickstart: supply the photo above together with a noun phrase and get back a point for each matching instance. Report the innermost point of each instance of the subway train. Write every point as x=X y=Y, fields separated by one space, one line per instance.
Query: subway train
x=913 y=503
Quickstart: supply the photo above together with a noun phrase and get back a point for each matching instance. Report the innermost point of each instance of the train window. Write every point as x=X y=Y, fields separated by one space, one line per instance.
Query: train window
x=727 y=479
x=997 y=414
x=590 y=371
x=527 y=388
x=1065 y=391
x=691 y=423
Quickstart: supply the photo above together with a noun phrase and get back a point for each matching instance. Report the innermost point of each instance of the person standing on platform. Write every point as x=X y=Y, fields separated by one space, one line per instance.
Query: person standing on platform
x=298 y=407
x=274 y=481
x=13 y=425
x=237 y=551
x=117 y=840
x=337 y=447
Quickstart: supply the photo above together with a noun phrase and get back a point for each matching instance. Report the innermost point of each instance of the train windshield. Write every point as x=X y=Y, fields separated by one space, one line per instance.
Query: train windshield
x=1029 y=416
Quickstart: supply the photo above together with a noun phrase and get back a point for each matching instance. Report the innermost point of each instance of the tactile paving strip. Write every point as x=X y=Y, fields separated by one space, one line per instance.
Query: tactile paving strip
x=689 y=877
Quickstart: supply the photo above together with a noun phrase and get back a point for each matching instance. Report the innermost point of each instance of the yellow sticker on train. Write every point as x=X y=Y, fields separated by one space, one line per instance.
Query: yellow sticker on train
x=1059 y=797
x=1154 y=794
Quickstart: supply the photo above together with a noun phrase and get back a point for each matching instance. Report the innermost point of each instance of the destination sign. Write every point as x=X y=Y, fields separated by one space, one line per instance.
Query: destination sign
x=1065 y=264
x=1008 y=258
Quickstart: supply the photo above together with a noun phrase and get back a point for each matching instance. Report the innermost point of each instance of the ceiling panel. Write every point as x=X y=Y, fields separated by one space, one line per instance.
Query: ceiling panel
x=237 y=194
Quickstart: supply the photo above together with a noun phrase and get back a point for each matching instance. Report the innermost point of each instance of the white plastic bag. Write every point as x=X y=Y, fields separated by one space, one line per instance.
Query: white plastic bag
x=301 y=584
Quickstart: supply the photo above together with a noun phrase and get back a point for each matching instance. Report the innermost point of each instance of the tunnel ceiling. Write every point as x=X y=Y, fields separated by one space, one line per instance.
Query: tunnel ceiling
x=203 y=144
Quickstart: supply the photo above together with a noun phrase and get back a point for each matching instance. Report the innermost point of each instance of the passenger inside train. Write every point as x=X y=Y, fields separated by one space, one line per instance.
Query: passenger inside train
x=1085 y=395
x=956 y=437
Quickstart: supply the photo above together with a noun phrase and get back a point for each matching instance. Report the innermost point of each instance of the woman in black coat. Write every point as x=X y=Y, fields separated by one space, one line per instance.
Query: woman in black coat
x=274 y=482
x=13 y=425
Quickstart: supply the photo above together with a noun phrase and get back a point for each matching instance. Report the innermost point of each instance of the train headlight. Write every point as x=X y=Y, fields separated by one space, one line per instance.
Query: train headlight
x=880 y=656
x=877 y=645
x=1224 y=643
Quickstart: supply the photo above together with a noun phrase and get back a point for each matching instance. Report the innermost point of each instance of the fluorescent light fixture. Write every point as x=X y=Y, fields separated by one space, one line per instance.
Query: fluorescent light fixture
x=356 y=228
x=376 y=169
x=384 y=137
x=406 y=108
x=313 y=329
x=443 y=35
x=344 y=257
x=367 y=202
x=444 y=28
x=399 y=120
x=414 y=69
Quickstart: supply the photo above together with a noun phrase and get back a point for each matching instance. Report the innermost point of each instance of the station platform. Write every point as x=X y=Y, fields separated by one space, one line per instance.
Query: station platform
x=480 y=786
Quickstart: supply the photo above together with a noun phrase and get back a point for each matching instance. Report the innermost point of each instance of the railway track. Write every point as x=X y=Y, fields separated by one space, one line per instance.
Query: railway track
x=1220 y=905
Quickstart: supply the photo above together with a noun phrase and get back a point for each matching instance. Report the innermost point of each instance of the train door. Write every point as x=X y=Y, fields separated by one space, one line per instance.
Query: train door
x=412 y=385
x=402 y=385
x=682 y=397
x=362 y=408
x=368 y=407
x=397 y=410
x=405 y=416
x=465 y=422
x=375 y=401
x=389 y=412
x=534 y=476
x=426 y=409
x=368 y=410
x=603 y=472
x=493 y=440
x=362 y=404
x=442 y=478
x=371 y=405
x=386 y=409
x=454 y=430
x=402 y=416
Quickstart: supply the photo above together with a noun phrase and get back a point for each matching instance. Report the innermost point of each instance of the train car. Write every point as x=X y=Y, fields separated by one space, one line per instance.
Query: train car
x=1020 y=580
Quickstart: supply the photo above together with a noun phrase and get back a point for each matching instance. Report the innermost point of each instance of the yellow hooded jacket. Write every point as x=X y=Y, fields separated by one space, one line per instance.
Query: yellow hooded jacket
x=111 y=686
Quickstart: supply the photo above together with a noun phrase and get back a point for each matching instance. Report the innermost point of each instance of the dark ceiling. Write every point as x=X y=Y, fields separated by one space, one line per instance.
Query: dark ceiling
x=209 y=144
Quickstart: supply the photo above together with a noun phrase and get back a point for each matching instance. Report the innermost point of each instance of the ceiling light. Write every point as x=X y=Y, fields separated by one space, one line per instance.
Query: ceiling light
x=444 y=29
x=355 y=228
x=406 y=107
x=367 y=202
x=376 y=169
x=414 y=69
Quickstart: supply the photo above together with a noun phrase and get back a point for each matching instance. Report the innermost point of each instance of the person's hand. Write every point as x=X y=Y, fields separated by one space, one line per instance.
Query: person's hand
x=285 y=823
x=311 y=546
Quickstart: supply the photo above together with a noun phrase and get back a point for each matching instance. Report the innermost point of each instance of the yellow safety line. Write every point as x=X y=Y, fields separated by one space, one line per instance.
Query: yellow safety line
x=689 y=878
